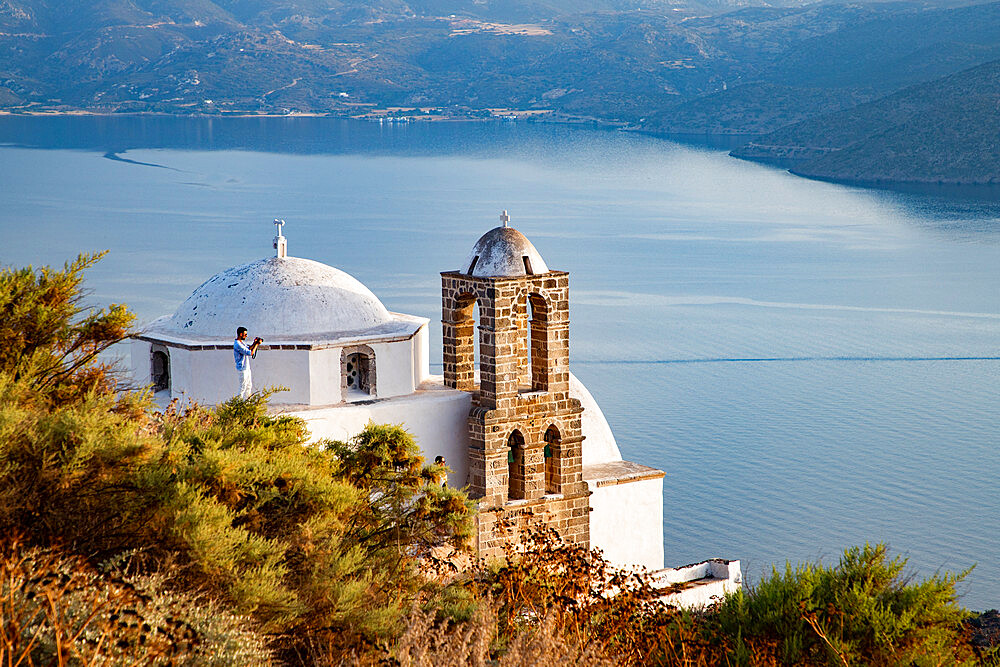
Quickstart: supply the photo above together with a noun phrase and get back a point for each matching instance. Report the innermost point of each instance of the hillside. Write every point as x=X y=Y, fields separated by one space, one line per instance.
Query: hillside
x=826 y=58
x=664 y=66
x=944 y=131
x=682 y=65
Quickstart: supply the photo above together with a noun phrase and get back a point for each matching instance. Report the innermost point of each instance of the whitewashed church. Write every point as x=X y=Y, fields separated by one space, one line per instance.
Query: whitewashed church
x=518 y=430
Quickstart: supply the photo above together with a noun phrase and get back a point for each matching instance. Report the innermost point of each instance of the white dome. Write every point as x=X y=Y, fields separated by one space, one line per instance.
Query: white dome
x=278 y=297
x=503 y=252
x=599 y=445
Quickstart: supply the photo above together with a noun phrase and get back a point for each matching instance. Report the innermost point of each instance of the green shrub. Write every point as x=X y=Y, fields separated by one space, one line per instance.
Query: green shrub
x=304 y=538
x=863 y=611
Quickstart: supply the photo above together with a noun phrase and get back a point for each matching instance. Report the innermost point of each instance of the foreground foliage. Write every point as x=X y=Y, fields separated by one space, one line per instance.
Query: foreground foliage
x=864 y=610
x=219 y=536
x=230 y=502
x=57 y=609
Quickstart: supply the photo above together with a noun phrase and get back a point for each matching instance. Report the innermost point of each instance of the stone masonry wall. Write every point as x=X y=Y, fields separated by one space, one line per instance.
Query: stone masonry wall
x=515 y=394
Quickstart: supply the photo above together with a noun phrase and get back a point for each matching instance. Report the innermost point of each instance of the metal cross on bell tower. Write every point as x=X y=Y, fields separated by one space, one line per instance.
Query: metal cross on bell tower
x=280 y=242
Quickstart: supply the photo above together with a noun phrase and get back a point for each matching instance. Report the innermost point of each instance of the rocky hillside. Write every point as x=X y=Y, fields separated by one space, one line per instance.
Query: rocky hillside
x=669 y=65
x=945 y=131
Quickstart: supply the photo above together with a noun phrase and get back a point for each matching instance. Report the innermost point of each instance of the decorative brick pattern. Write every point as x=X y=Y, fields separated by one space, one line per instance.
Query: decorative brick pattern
x=518 y=391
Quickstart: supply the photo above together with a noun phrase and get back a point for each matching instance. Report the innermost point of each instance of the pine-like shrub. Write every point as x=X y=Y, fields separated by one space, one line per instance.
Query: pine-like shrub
x=863 y=611
x=304 y=538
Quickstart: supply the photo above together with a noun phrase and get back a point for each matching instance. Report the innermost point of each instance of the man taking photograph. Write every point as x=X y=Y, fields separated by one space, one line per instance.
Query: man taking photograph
x=243 y=353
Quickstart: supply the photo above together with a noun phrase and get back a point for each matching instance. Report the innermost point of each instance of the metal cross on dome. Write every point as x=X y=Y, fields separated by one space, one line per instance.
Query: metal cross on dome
x=504 y=218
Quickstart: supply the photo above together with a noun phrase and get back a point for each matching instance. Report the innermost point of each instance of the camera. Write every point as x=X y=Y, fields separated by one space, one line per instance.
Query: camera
x=258 y=339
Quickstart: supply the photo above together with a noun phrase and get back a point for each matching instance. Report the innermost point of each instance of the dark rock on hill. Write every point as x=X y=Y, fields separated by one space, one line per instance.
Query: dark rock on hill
x=985 y=630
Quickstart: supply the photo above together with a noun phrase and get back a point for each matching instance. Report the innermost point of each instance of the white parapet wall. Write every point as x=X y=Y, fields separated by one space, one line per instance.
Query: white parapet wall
x=626 y=513
x=436 y=416
x=700 y=584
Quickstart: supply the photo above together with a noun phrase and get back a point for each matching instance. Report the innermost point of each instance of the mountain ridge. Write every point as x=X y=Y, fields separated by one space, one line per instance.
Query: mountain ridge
x=928 y=133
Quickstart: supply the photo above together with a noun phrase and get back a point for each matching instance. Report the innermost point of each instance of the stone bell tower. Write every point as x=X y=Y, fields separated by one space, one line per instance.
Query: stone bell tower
x=525 y=440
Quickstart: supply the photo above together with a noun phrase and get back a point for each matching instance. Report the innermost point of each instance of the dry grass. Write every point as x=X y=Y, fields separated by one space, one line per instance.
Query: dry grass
x=57 y=610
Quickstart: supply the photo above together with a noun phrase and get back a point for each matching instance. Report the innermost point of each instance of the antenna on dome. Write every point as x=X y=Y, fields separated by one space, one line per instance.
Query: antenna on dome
x=280 y=242
x=504 y=218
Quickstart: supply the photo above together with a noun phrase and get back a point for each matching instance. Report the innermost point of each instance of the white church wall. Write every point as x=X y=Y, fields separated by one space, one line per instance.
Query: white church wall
x=324 y=376
x=180 y=375
x=393 y=368
x=626 y=522
x=209 y=376
x=437 y=419
x=140 y=352
x=421 y=356
x=701 y=584
x=271 y=368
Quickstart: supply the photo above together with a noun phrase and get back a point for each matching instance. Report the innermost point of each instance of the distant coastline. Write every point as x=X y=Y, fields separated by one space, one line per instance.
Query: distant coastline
x=739 y=146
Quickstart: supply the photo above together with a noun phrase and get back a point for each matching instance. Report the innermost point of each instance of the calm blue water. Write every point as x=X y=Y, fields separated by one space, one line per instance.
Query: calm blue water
x=813 y=365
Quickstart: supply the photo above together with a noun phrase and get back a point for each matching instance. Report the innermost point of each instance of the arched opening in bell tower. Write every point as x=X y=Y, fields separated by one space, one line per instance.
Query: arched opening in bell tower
x=515 y=466
x=466 y=341
x=538 y=342
x=552 y=440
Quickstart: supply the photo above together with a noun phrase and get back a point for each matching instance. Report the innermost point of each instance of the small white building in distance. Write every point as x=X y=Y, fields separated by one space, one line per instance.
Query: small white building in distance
x=518 y=430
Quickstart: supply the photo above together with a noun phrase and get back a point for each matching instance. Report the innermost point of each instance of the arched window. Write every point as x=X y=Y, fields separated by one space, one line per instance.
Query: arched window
x=515 y=466
x=159 y=368
x=465 y=355
x=357 y=373
x=538 y=342
x=552 y=441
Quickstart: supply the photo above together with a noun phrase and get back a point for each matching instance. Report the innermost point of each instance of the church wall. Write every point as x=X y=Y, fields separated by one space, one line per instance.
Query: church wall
x=288 y=368
x=209 y=376
x=180 y=376
x=139 y=353
x=437 y=419
x=421 y=356
x=626 y=522
x=324 y=376
x=394 y=368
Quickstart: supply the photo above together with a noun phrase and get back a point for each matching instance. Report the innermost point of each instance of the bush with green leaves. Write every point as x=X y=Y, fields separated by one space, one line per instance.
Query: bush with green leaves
x=302 y=537
x=863 y=611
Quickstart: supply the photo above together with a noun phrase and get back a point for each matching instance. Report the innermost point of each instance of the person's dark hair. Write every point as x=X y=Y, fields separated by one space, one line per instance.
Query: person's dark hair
x=240 y=330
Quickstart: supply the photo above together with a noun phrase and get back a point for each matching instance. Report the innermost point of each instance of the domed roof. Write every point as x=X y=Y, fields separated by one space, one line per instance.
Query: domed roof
x=503 y=252
x=278 y=297
x=599 y=445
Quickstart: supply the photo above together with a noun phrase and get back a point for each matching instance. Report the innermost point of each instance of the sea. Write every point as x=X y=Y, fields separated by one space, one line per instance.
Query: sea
x=814 y=365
